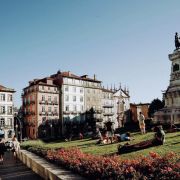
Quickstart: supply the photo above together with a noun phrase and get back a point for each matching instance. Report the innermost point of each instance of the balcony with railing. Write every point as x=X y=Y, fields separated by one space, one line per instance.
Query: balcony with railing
x=55 y=103
x=108 y=105
x=55 y=113
x=42 y=102
x=42 y=113
x=66 y=112
x=98 y=111
x=108 y=113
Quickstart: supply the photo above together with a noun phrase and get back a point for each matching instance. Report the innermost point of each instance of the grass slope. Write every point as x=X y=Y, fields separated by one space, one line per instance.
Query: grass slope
x=89 y=146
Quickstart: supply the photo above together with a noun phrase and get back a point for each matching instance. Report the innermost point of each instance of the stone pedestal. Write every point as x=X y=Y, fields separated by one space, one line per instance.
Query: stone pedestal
x=170 y=114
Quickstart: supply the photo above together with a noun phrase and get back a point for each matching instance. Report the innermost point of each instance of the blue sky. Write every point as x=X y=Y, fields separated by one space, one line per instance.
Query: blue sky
x=119 y=41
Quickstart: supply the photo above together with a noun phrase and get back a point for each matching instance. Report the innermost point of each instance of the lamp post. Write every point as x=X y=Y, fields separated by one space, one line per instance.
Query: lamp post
x=16 y=130
x=51 y=129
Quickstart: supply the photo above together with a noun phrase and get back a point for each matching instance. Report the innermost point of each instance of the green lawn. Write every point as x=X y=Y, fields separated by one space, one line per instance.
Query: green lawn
x=89 y=146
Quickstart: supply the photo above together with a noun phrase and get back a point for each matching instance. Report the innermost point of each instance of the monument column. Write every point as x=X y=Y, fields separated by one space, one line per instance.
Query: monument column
x=170 y=114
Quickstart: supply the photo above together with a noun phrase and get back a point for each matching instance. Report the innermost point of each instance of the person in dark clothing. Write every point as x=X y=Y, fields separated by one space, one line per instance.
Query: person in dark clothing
x=109 y=131
x=159 y=136
x=159 y=139
x=2 y=150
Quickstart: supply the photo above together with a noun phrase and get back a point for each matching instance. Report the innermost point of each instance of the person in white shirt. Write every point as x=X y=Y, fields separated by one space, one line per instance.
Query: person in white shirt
x=15 y=147
x=142 y=123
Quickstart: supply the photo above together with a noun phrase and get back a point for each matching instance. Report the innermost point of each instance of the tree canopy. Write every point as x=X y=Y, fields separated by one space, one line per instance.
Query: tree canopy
x=155 y=105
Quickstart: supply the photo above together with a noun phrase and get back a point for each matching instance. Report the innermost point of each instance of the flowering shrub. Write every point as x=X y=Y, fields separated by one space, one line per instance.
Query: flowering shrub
x=98 y=167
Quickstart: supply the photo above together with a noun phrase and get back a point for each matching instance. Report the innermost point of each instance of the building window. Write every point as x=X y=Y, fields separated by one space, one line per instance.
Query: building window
x=55 y=89
x=74 y=108
x=67 y=108
x=10 y=133
x=55 y=109
x=49 y=109
x=24 y=100
x=33 y=98
x=74 y=98
x=55 y=99
x=2 y=110
x=66 y=98
x=42 y=87
x=81 y=90
x=9 y=97
x=2 y=97
x=2 y=122
x=82 y=108
x=81 y=98
x=49 y=88
x=9 y=122
x=43 y=97
x=43 y=108
x=66 y=88
x=10 y=110
x=74 y=89
x=49 y=98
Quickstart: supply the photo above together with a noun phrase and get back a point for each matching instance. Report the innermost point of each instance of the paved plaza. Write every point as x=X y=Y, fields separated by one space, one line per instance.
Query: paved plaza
x=12 y=170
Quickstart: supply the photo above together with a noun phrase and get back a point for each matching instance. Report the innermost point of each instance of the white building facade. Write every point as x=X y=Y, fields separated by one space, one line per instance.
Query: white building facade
x=6 y=112
x=73 y=99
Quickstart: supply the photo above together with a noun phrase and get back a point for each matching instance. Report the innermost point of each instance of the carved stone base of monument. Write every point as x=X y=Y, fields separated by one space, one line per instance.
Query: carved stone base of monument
x=170 y=114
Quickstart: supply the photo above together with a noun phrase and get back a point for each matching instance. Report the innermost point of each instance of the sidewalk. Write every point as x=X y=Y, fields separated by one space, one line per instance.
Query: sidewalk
x=16 y=171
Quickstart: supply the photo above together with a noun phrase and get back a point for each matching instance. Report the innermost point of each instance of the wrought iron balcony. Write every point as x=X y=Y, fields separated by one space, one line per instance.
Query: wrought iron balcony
x=42 y=102
x=108 y=105
x=108 y=114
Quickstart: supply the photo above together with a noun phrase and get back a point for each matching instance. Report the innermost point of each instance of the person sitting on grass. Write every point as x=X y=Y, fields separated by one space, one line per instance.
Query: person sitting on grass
x=103 y=138
x=159 y=139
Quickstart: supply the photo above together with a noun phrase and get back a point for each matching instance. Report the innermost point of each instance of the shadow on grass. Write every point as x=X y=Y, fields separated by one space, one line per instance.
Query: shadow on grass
x=173 y=136
x=86 y=145
x=175 y=143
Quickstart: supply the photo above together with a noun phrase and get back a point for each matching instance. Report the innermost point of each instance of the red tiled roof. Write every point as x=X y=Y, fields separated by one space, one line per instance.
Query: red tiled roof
x=70 y=75
x=2 y=87
x=5 y=89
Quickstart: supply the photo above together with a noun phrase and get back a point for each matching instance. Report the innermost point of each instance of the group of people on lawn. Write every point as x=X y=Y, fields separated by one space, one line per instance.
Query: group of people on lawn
x=108 y=136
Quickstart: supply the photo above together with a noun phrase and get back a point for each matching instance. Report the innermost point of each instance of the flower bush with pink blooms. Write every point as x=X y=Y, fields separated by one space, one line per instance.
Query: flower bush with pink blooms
x=153 y=166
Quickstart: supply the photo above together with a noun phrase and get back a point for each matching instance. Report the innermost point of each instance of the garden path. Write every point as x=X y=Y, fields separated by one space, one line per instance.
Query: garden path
x=15 y=171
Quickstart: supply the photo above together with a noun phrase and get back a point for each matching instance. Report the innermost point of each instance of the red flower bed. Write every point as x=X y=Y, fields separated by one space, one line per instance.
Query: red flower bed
x=98 y=167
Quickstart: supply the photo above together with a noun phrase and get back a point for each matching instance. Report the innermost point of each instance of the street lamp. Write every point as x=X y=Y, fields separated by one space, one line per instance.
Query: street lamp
x=51 y=129
x=16 y=130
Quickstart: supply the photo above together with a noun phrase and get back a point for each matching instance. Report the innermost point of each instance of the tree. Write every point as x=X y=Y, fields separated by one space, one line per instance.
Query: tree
x=155 y=105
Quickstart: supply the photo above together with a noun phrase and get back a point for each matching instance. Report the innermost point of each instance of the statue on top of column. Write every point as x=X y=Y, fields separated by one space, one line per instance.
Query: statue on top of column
x=177 y=43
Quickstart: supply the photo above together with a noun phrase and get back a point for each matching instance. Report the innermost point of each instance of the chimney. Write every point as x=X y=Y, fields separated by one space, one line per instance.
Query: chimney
x=30 y=82
x=94 y=77
x=69 y=73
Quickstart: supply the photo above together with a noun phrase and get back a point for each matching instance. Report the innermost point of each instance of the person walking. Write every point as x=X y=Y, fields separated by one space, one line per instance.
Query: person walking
x=142 y=123
x=2 y=150
x=15 y=147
